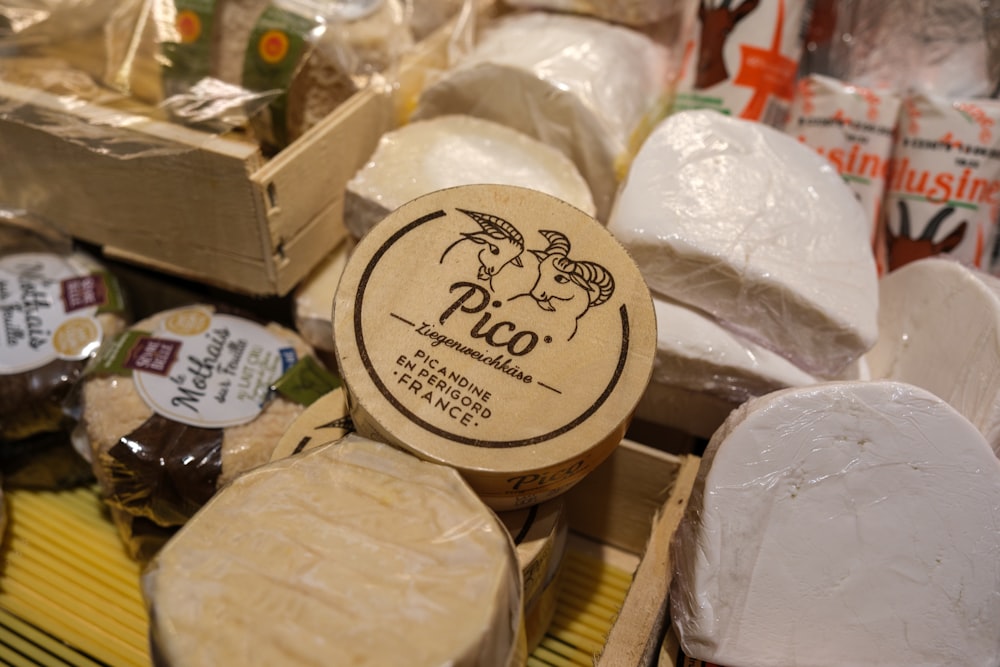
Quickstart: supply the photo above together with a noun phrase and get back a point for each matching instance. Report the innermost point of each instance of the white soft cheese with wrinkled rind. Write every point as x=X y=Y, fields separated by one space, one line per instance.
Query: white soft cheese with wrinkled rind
x=749 y=225
x=849 y=523
x=434 y=154
x=702 y=371
x=350 y=554
x=939 y=328
x=580 y=84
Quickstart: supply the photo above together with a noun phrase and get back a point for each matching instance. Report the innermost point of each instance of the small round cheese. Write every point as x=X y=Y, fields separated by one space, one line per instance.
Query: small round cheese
x=749 y=225
x=939 y=328
x=496 y=329
x=849 y=523
x=351 y=554
x=428 y=155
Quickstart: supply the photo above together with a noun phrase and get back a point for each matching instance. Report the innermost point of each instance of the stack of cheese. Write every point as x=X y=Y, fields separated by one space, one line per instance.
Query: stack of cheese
x=759 y=260
x=585 y=86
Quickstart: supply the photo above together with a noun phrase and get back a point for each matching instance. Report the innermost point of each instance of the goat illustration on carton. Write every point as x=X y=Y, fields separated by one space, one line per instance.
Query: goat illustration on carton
x=561 y=285
x=904 y=249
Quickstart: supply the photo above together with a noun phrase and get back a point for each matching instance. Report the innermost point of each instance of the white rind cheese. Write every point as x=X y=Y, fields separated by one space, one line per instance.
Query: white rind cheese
x=580 y=84
x=314 y=296
x=702 y=371
x=850 y=523
x=939 y=328
x=429 y=155
x=354 y=553
x=747 y=224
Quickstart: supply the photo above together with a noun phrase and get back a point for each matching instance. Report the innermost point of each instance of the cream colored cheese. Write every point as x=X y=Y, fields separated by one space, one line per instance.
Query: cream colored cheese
x=350 y=554
x=448 y=151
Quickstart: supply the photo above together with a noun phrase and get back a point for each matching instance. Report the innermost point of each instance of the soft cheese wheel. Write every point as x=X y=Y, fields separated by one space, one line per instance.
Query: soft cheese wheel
x=496 y=329
x=702 y=371
x=939 y=328
x=849 y=523
x=447 y=151
x=585 y=86
x=354 y=553
x=747 y=224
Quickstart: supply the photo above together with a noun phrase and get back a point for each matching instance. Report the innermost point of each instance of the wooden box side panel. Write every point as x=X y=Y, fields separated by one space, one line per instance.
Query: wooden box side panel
x=192 y=209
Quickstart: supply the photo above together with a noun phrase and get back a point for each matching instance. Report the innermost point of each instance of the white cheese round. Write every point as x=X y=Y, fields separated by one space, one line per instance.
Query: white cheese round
x=585 y=86
x=314 y=295
x=354 y=553
x=849 y=523
x=448 y=151
x=499 y=330
x=939 y=328
x=702 y=371
x=747 y=224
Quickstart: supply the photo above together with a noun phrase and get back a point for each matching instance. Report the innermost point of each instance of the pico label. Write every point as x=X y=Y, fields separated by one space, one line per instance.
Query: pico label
x=48 y=305
x=207 y=369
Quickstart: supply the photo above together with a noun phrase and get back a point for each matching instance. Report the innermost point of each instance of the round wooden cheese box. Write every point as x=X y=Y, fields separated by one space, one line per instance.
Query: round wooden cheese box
x=498 y=330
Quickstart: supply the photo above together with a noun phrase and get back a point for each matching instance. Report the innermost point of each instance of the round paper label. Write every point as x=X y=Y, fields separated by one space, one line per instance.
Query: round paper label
x=494 y=318
x=208 y=370
x=48 y=303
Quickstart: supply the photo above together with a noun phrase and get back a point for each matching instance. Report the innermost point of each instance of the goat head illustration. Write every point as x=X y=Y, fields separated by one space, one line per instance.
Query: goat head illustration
x=716 y=24
x=500 y=244
x=903 y=249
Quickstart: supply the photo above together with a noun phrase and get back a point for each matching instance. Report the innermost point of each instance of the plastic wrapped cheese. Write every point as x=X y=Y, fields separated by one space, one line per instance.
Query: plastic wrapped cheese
x=447 y=151
x=939 y=328
x=850 y=523
x=714 y=367
x=742 y=221
x=352 y=553
x=585 y=86
x=58 y=307
x=187 y=400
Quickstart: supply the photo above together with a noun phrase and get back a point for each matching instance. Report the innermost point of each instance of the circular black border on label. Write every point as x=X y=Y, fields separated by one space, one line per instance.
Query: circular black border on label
x=493 y=444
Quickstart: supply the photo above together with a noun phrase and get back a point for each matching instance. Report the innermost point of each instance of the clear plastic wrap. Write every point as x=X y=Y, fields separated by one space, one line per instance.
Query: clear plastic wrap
x=948 y=48
x=585 y=86
x=275 y=71
x=59 y=306
x=919 y=341
x=187 y=400
x=742 y=221
x=362 y=549
x=854 y=128
x=447 y=151
x=844 y=524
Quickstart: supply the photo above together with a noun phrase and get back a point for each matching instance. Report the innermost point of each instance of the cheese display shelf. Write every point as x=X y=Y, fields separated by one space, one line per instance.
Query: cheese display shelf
x=69 y=594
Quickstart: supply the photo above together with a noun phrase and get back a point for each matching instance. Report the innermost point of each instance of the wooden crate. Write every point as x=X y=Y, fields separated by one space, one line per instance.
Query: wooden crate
x=196 y=205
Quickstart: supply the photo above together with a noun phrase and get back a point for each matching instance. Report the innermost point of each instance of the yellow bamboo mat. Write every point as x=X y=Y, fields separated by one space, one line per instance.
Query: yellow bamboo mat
x=69 y=595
